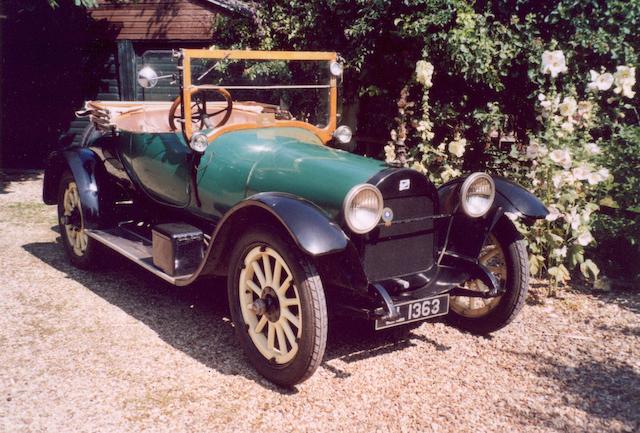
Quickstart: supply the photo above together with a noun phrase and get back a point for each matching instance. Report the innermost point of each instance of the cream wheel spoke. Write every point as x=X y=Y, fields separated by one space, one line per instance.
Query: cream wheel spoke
x=284 y=287
x=261 y=323
x=289 y=302
x=266 y=264
x=76 y=197
x=282 y=344
x=271 y=333
x=277 y=270
x=497 y=270
x=68 y=206
x=253 y=286
x=259 y=273
x=288 y=332
x=494 y=251
x=77 y=244
x=83 y=240
x=291 y=318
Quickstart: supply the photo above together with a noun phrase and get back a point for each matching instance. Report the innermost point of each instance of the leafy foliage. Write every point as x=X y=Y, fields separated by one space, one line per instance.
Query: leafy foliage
x=495 y=100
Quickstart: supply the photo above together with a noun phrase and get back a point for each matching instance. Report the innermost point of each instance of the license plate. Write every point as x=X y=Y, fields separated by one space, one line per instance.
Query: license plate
x=413 y=311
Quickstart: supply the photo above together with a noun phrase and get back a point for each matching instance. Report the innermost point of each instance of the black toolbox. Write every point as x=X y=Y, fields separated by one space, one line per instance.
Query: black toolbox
x=178 y=248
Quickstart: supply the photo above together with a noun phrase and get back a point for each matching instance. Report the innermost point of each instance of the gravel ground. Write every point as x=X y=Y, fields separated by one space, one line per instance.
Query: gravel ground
x=120 y=350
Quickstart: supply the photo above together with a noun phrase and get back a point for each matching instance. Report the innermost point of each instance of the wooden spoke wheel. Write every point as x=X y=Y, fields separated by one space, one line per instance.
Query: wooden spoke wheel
x=505 y=255
x=278 y=307
x=80 y=248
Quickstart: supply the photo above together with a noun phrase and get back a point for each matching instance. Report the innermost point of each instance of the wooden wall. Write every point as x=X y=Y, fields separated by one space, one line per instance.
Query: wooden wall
x=159 y=19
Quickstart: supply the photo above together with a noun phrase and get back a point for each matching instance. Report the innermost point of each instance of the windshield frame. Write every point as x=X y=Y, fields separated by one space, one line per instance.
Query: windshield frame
x=188 y=88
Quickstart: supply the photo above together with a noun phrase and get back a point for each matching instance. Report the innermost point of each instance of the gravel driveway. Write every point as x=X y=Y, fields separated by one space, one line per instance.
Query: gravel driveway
x=120 y=350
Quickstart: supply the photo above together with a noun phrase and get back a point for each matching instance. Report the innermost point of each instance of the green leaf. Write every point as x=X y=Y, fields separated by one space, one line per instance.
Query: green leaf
x=589 y=268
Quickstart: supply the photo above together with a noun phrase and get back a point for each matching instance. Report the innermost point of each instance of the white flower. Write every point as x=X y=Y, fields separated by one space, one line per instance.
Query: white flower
x=561 y=157
x=600 y=81
x=541 y=97
x=604 y=172
x=625 y=78
x=419 y=167
x=592 y=148
x=568 y=107
x=581 y=172
x=449 y=173
x=535 y=150
x=424 y=73
x=553 y=62
x=567 y=126
x=585 y=238
x=553 y=214
x=557 y=180
x=573 y=218
x=560 y=252
x=456 y=147
x=598 y=176
x=389 y=153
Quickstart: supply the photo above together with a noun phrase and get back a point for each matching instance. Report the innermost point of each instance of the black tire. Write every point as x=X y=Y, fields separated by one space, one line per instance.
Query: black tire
x=307 y=286
x=92 y=252
x=516 y=284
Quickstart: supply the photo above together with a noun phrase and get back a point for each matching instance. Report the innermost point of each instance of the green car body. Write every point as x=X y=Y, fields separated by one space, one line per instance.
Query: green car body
x=240 y=164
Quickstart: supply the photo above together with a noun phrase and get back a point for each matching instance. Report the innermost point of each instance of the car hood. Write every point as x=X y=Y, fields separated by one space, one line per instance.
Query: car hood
x=291 y=160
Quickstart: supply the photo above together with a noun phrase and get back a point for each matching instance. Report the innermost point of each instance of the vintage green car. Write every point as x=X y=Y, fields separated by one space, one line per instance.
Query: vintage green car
x=239 y=173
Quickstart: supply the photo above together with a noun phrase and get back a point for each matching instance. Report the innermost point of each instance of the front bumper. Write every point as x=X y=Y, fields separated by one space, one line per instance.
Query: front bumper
x=447 y=276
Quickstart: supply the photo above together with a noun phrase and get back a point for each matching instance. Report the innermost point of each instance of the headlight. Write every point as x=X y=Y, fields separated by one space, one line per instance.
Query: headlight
x=343 y=134
x=477 y=194
x=363 y=208
x=199 y=142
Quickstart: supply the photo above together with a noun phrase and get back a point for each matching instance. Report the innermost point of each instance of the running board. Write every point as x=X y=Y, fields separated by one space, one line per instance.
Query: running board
x=136 y=248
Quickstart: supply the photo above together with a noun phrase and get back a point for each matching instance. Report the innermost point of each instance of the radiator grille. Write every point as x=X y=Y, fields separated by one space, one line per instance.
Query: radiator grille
x=407 y=246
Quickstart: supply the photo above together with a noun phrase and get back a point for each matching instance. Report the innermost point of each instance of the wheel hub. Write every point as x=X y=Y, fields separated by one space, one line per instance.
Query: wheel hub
x=74 y=219
x=271 y=304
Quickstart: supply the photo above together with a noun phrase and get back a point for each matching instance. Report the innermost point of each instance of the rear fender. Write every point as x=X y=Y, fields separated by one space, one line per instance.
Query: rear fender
x=88 y=173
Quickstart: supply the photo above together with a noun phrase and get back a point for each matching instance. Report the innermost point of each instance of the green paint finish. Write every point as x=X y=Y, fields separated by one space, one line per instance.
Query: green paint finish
x=160 y=164
x=241 y=163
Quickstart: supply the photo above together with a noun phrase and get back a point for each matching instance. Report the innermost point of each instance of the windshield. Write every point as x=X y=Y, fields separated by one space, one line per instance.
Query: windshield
x=242 y=88
x=296 y=90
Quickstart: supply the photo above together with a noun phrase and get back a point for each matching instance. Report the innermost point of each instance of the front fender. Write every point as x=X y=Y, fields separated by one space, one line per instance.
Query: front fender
x=465 y=235
x=86 y=168
x=312 y=230
x=306 y=224
x=510 y=197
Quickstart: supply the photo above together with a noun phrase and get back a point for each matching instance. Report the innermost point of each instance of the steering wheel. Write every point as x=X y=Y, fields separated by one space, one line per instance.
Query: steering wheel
x=199 y=110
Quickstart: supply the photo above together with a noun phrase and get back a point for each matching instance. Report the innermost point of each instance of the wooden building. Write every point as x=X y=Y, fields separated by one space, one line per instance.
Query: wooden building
x=64 y=56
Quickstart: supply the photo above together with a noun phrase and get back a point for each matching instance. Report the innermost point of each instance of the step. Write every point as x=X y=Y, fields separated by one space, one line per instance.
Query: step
x=136 y=248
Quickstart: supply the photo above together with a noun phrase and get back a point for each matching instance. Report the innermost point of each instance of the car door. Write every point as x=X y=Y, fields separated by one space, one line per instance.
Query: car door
x=160 y=165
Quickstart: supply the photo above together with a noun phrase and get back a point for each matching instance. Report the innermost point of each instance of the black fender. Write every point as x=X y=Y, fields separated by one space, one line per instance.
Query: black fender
x=307 y=225
x=510 y=196
x=311 y=229
x=463 y=235
x=87 y=170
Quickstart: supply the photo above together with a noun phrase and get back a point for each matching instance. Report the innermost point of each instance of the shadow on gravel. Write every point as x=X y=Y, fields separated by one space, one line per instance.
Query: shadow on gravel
x=7 y=176
x=196 y=321
x=627 y=299
x=609 y=391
